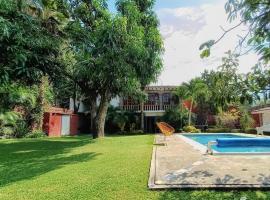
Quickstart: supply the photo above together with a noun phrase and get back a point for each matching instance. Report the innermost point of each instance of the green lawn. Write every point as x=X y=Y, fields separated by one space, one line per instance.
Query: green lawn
x=81 y=168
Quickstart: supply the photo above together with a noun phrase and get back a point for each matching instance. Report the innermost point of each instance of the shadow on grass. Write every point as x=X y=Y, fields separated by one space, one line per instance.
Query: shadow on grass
x=25 y=159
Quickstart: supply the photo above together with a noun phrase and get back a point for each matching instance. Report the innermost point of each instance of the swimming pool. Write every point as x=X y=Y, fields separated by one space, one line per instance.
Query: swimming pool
x=205 y=138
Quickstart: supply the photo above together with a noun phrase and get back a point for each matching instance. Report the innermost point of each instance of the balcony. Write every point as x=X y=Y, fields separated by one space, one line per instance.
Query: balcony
x=156 y=101
x=146 y=107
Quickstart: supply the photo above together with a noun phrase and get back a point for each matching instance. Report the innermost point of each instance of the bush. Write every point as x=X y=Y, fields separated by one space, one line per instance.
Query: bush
x=21 y=129
x=246 y=121
x=218 y=130
x=251 y=131
x=237 y=131
x=175 y=118
x=120 y=120
x=7 y=131
x=227 y=120
x=35 y=134
x=191 y=129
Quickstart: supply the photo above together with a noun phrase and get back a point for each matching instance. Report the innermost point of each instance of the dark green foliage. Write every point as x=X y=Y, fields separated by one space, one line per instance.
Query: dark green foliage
x=176 y=118
x=119 y=121
x=28 y=48
x=35 y=134
x=258 y=82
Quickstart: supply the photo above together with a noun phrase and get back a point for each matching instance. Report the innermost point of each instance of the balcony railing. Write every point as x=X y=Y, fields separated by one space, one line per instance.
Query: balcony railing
x=146 y=107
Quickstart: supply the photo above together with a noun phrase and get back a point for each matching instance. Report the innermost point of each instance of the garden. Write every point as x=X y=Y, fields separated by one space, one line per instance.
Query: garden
x=56 y=50
x=83 y=168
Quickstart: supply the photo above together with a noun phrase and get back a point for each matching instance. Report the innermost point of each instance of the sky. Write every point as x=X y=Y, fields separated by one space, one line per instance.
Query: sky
x=184 y=26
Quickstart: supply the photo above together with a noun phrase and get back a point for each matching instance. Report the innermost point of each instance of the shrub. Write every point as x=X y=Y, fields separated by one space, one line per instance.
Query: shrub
x=237 y=131
x=35 y=134
x=21 y=129
x=175 y=118
x=7 y=131
x=251 y=131
x=227 y=120
x=218 y=130
x=191 y=129
x=120 y=120
x=246 y=121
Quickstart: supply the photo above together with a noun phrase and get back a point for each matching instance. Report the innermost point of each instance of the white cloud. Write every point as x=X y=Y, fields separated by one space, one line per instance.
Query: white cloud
x=184 y=29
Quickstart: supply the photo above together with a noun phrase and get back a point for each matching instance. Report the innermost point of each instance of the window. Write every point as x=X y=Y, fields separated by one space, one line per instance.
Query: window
x=153 y=99
x=166 y=98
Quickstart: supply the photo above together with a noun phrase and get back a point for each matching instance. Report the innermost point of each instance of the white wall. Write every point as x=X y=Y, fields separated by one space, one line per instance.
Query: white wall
x=82 y=108
x=266 y=117
x=115 y=102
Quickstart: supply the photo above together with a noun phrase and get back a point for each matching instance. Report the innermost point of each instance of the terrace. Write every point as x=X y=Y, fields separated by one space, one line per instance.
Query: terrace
x=181 y=164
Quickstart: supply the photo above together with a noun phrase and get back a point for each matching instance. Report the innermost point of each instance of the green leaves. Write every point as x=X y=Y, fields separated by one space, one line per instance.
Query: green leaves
x=205 y=48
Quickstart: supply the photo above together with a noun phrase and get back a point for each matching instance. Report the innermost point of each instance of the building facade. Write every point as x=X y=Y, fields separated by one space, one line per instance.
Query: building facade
x=159 y=99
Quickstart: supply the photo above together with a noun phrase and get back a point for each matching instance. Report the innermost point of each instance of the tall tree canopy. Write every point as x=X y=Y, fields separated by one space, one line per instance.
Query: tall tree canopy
x=85 y=51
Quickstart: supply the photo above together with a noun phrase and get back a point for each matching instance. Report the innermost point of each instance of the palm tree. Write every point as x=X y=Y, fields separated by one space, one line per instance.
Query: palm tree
x=192 y=91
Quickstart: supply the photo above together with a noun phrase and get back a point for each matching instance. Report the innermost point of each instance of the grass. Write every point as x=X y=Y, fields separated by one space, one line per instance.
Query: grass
x=81 y=168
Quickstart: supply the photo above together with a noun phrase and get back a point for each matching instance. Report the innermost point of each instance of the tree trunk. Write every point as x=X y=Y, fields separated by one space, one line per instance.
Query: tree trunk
x=142 y=116
x=76 y=106
x=190 y=111
x=38 y=122
x=93 y=113
x=101 y=115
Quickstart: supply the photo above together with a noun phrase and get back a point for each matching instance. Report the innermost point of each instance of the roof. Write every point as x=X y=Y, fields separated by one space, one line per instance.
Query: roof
x=161 y=88
x=260 y=109
x=59 y=110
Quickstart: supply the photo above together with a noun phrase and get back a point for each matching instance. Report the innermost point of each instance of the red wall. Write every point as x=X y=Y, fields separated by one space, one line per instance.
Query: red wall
x=55 y=125
x=256 y=118
x=52 y=124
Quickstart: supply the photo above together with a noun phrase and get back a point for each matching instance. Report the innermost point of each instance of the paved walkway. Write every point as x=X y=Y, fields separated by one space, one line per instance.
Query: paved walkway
x=179 y=165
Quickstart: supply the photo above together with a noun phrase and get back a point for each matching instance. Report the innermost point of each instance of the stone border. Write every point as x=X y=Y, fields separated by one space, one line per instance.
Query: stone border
x=152 y=171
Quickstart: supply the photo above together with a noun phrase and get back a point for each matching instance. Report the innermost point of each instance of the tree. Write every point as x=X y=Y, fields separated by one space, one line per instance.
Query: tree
x=122 y=54
x=225 y=84
x=258 y=82
x=145 y=56
x=255 y=15
x=28 y=48
x=193 y=91
x=29 y=40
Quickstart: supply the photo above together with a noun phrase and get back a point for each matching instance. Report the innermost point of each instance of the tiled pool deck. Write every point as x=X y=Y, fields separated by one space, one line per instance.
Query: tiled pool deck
x=180 y=165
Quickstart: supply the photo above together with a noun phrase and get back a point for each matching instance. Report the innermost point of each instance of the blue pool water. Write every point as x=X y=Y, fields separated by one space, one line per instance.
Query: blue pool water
x=205 y=138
